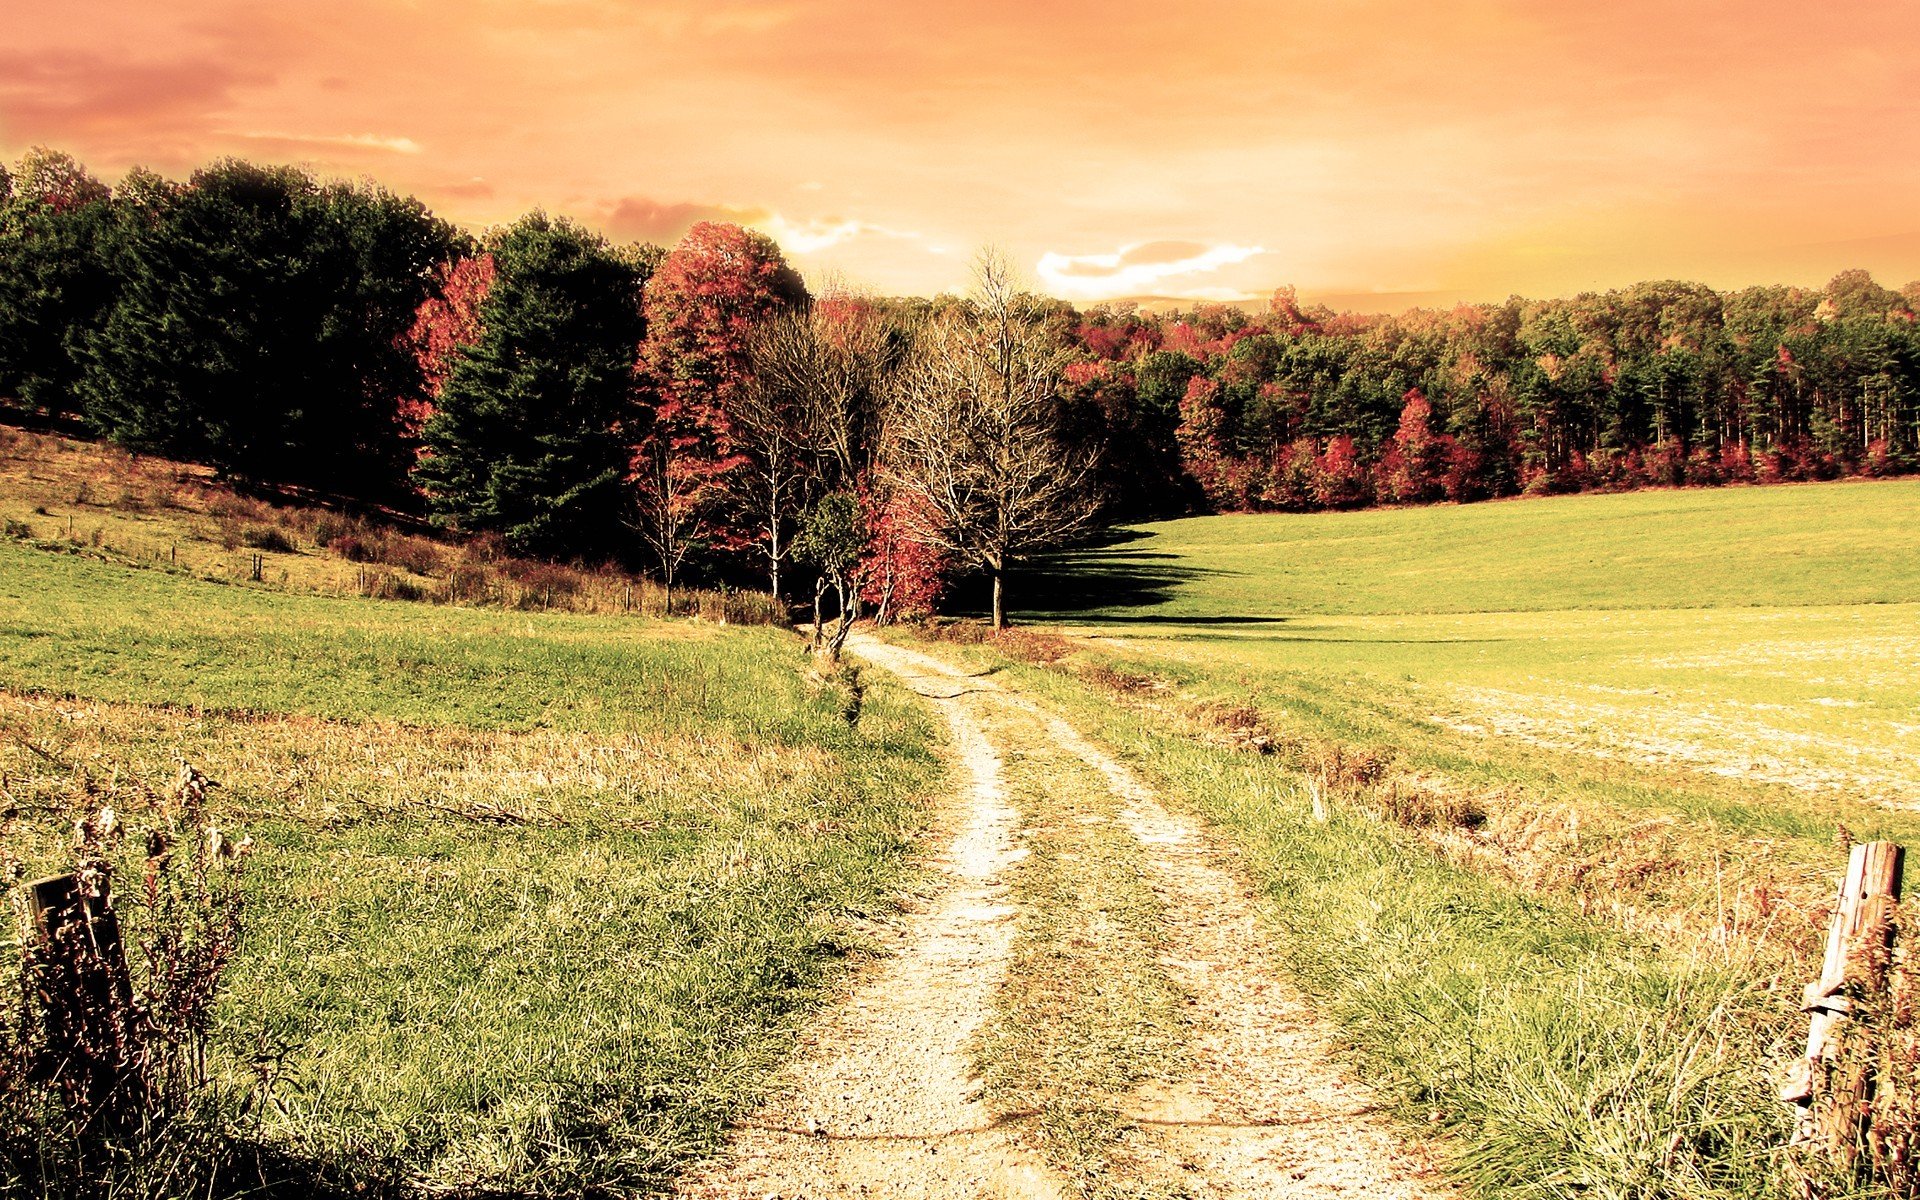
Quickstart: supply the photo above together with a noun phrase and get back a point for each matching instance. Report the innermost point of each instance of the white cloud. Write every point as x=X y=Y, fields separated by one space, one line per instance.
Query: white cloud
x=1141 y=266
x=352 y=141
x=810 y=236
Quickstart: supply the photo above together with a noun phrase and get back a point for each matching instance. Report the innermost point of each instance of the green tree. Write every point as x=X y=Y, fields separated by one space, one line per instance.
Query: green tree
x=259 y=322
x=531 y=436
x=834 y=539
x=55 y=284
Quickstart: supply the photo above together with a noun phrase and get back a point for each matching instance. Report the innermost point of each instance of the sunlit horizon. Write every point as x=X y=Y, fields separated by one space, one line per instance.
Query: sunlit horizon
x=1375 y=155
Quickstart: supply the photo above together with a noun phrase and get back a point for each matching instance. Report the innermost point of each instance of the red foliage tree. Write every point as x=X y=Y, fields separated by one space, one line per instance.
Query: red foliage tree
x=444 y=328
x=1223 y=476
x=902 y=575
x=703 y=304
x=1414 y=468
x=1339 y=481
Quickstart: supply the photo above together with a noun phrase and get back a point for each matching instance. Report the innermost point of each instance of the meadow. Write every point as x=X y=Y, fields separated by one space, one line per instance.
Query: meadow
x=1732 y=665
x=537 y=899
x=1547 y=800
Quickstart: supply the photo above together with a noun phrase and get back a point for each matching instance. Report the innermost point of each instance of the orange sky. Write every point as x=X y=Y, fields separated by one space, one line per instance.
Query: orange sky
x=1114 y=148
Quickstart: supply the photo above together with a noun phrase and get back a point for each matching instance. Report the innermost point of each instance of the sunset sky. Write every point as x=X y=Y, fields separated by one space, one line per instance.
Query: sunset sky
x=1374 y=153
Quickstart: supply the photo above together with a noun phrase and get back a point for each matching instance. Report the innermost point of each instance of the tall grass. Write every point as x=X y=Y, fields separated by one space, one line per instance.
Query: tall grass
x=538 y=899
x=1560 y=1057
x=98 y=500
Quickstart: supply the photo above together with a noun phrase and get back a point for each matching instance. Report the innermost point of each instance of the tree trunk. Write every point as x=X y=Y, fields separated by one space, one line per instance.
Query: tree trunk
x=884 y=614
x=773 y=556
x=819 y=589
x=844 y=625
x=999 y=597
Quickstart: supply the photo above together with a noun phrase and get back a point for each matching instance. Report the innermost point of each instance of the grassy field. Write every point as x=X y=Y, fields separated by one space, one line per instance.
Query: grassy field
x=1791 y=546
x=1700 y=688
x=537 y=898
x=1588 y=766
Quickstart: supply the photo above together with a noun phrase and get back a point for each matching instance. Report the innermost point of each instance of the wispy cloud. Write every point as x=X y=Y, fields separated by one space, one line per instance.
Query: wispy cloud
x=1140 y=267
x=812 y=236
x=659 y=221
x=333 y=141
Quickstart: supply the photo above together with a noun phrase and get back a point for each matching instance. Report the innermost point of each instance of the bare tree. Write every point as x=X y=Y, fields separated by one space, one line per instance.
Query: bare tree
x=771 y=428
x=805 y=420
x=676 y=494
x=976 y=431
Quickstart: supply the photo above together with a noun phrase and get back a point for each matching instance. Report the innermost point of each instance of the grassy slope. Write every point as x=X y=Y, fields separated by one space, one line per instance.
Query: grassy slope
x=537 y=895
x=1847 y=543
x=1662 y=702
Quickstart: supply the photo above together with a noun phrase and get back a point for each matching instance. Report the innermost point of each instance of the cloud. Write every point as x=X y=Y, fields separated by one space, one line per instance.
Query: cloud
x=637 y=218
x=642 y=219
x=1139 y=266
x=53 y=95
x=811 y=236
x=295 y=142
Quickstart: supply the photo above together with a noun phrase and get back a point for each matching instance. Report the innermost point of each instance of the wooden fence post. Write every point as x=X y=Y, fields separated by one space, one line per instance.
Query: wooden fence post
x=91 y=992
x=1835 y=1104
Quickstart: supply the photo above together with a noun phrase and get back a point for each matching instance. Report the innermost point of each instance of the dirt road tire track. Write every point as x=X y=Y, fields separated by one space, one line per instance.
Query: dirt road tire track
x=1266 y=1110
x=882 y=1100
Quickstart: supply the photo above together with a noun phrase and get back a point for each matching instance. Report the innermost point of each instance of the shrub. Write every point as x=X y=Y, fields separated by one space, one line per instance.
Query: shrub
x=413 y=554
x=355 y=548
x=267 y=537
x=104 y=1081
x=326 y=527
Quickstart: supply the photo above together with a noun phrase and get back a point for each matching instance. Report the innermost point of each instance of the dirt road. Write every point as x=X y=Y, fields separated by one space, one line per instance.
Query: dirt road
x=884 y=1100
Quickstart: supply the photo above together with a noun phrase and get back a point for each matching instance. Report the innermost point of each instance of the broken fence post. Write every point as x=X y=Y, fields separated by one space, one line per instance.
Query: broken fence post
x=1834 y=1093
x=86 y=994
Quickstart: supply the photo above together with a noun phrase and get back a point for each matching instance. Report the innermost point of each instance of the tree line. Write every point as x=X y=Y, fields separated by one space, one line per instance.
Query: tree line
x=697 y=410
x=1658 y=384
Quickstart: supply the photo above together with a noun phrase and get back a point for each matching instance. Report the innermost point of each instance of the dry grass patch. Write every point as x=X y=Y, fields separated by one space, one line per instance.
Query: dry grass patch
x=94 y=498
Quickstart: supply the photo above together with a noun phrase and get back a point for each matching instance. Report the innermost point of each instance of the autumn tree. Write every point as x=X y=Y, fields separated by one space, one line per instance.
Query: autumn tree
x=445 y=328
x=806 y=419
x=530 y=433
x=704 y=304
x=1414 y=468
x=903 y=574
x=976 y=431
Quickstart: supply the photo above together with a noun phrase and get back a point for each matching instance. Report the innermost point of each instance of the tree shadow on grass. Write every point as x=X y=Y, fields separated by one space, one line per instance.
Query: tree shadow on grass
x=1109 y=578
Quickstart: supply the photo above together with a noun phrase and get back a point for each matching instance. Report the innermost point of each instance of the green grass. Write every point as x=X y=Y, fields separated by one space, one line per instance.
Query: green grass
x=1737 y=661
x=1559 y=1057
x=1661 y=709
x=538 y=899
x=1801 y=545
x=1087 y=1013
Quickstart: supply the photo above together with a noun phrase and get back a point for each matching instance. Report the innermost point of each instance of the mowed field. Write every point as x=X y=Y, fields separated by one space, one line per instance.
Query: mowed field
x=1546 y=801
x=536 y=899
x=1758 y=635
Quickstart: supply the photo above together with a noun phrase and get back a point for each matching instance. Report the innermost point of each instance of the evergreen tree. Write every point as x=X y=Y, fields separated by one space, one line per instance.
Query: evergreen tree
x=529 y=438
x=259 y=325
x=55 y=285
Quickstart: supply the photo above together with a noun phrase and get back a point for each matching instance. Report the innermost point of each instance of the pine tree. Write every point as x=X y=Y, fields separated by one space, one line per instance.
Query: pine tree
x=529 y=438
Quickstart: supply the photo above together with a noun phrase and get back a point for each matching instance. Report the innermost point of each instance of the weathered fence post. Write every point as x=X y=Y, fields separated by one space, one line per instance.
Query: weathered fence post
x=86 y=993
x=1834 y=1092
x=257 y=568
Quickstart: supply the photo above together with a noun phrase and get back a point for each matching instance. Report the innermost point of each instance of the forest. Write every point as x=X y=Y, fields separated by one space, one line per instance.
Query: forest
x=696 y=411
